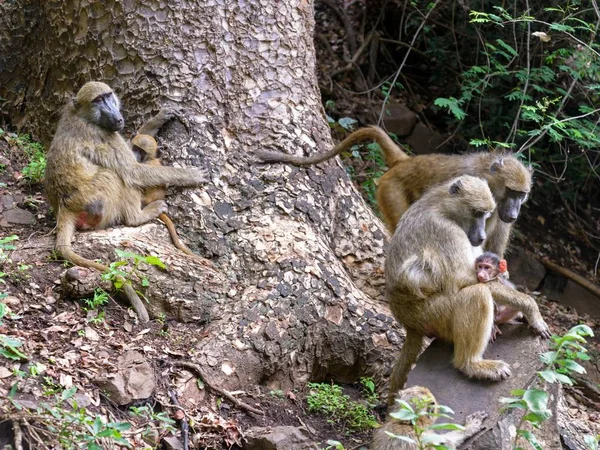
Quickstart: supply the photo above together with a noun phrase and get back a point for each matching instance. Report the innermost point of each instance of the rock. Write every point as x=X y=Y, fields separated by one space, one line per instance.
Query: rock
x=79 y=282
x=517 y=346
x=571 y=294
x=19 y=216
x=7 y=202
x=11 y=301
x=278 y=438
x=424 y=141
x=398 y=119
x=172 y=443
x=524 y=268
x=133 y=381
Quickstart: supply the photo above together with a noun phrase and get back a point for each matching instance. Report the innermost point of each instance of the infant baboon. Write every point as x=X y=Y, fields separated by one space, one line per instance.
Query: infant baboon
x=421 y=398
x=93 y=179
x=490 y=267
x=408 y=178
x=145 y=149
x=432 y=288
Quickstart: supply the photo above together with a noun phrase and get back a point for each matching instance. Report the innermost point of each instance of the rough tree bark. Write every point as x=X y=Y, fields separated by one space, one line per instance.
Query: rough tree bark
x=292 y=287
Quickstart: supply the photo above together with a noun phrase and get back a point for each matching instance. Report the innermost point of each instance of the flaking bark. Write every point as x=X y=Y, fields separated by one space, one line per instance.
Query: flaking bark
x=292 y=287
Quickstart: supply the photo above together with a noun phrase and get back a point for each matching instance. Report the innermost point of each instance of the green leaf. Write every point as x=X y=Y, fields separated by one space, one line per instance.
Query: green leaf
x=537 y=401
x=404 y=414
x=98 y=425
x=564 y=379
x=591 y=442
x=452 y=105
x=347 y=123
x=68 y=393
x=548 y=375
x=573 y=366
x=446 y=426
x=155 y=261
x=401 y=438
x=442 y=410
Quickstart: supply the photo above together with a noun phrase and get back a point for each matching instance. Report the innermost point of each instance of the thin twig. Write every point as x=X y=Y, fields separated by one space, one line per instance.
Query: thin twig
x=196 y=368
x=185 y=428
x=412 y=43
x=351 y=38
x=18 y=435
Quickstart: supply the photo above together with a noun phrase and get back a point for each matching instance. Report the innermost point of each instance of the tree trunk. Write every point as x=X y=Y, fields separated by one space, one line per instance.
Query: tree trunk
x=293 y=287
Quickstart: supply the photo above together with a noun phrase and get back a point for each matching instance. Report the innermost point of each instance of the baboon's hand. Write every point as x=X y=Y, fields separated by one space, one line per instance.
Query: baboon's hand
x=541 y=328
x=495 y=333
x=169 y=113
x=202 y=175
x=161 y=206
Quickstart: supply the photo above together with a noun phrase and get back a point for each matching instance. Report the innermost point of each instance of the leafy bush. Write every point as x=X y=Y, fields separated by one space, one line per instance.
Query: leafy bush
x=329 y=400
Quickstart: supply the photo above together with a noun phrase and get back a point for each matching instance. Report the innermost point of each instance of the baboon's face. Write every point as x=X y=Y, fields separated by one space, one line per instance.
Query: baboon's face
x=510 y=206
x=487 y=268
x=104 y=111
x=476 y=231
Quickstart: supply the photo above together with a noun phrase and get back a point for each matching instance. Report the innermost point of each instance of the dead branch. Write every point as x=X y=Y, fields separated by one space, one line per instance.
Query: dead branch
x=196 y=368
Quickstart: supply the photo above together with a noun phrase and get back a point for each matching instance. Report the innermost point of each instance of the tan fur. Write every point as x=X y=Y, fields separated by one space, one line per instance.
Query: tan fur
x=147 y=144
x=419 y=398
x=409 y=177
x=432 y=287
x=89 y=165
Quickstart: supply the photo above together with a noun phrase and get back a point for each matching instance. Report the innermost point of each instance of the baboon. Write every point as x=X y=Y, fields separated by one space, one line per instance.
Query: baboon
x=420 y=399
x=408 y=178
x=432 y=288
x=490 y=267
x=145 y=149
x=93 y=179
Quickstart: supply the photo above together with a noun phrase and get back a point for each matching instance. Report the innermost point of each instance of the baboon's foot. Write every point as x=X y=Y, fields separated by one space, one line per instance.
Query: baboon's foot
x=487 y=369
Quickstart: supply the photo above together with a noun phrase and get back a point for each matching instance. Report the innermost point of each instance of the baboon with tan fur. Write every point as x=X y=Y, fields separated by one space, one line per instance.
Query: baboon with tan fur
x=92 y=176
x=420 y=398
x=408 y=178
x=432 y=288
x=145 y=149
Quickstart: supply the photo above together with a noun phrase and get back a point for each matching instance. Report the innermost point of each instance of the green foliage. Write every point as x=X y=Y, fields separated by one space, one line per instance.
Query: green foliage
x=9 y=347
x=425 y=437
x=5 y=246
x=153 y=420
x=277 y=393
x=118 y=276
x=559 y=362
x=329 y=400
x=536 y=83
x=99 y=300
x=334 y=445
x=33 y=172
x=72 y=427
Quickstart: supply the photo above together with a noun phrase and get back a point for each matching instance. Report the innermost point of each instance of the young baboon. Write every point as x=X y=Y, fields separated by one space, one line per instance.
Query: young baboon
x=490 y=267
x=421 y=398
x=431 y=285
x=145 y=149
x=409 y=177
x=91 y=171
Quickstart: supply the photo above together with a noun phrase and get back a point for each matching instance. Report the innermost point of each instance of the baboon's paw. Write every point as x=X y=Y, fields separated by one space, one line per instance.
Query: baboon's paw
x=488 y=369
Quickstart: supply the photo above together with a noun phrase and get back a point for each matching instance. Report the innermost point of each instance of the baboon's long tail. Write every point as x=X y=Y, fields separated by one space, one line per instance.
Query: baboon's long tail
x=391 y=151
x=64 y=234
x=174 y=236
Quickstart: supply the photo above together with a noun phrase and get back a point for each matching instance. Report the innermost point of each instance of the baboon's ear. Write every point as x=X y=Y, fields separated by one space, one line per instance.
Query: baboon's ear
x=456 y=187
x=530 y=168
x=496 y=165
x=74 y=102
